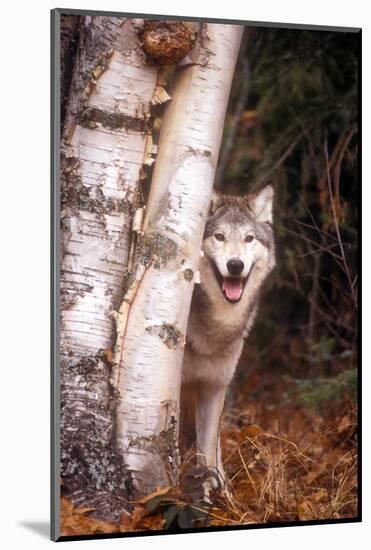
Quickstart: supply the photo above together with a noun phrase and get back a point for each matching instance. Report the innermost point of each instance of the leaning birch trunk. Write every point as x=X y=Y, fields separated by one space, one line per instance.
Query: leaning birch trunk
x=158 y=302
x=103 y=146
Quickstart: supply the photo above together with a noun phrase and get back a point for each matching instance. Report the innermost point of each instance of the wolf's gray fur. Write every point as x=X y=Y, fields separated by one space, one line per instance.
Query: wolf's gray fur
x=223 y=310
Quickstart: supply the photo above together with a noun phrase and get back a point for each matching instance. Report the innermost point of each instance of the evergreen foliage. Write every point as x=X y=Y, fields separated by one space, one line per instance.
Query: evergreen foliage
x=295 y=103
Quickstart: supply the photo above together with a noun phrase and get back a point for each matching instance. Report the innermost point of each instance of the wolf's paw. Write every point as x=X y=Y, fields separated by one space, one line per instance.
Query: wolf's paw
x=216 y=481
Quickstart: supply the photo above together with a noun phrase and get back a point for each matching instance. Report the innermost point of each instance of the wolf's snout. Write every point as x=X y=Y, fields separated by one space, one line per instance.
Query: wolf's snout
x=235 y=266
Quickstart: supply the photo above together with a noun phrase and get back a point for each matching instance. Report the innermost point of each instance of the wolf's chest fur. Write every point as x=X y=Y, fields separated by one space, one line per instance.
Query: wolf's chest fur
x=215 y=333
x=213 y=345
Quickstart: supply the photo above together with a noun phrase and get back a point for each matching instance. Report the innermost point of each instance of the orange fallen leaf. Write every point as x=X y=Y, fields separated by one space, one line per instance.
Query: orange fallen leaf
x=252 y=430
x=321 y=494
x=305 y=511
x=75 y=522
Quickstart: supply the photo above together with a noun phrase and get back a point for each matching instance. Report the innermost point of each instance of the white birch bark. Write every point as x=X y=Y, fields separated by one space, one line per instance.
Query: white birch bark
x=103 y=150
x=167 y=260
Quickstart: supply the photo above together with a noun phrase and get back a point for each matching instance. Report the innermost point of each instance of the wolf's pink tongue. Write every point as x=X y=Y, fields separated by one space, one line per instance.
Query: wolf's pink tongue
x=232 y=288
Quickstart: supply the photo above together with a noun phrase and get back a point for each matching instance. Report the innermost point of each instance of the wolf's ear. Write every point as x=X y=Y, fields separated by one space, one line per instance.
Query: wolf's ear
x=215 y=202
x=261 y=204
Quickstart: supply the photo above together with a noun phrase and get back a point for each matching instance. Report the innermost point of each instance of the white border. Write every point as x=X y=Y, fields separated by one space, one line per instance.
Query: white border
x=24 y=223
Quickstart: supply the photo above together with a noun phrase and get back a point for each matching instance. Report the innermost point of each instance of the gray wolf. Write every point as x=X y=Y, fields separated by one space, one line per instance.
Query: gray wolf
x=238 y=253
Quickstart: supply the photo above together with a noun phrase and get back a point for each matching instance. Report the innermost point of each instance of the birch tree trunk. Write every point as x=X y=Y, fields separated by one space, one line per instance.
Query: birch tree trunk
x=157 y=305
x=103 y=147
x=69 y=25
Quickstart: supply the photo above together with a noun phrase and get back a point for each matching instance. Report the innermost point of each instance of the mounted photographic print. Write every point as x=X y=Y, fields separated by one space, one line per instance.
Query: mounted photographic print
x=206 y=211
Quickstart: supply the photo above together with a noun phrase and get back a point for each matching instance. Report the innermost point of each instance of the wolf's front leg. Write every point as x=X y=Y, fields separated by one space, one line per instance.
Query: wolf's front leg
x=209 y=408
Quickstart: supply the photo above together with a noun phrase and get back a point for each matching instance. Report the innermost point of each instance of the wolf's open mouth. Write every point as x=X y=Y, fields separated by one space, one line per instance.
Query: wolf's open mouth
x=232 y=287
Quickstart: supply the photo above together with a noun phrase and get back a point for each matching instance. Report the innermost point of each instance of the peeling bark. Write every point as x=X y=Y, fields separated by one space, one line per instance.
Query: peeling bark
x=68 y=47
x=102 y=153
x=153 y=321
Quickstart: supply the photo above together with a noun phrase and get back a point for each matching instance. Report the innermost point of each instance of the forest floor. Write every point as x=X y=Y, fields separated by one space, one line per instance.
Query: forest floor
x=285 y=463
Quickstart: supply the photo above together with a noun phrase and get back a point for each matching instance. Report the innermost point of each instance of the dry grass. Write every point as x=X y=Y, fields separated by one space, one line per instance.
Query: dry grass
x=287 y=464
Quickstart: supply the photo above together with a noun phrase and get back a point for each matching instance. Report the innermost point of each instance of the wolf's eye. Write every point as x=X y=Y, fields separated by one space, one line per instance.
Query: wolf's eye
x=219 y=236
x=249 y=238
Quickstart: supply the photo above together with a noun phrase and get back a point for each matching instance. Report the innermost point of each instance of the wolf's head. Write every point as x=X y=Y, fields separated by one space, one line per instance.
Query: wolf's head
x=238 y=241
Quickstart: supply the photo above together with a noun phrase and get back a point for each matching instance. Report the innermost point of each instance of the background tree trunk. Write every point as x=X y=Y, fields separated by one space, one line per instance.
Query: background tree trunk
x=102 y=153
x=167 y=259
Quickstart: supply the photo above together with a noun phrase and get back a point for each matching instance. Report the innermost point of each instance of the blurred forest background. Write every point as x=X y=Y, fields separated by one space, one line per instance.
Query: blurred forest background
x=289 y=431
x=293 y=118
